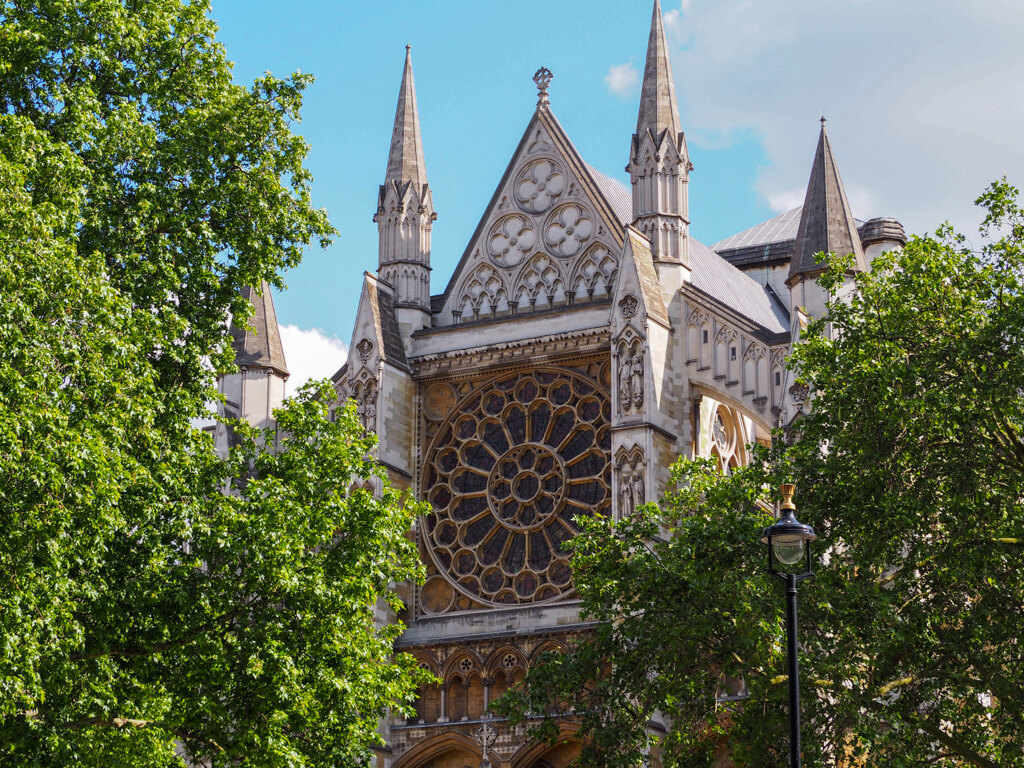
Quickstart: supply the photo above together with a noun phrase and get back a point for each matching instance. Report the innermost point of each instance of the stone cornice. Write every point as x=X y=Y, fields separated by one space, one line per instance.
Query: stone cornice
x=461 y=640
x=544 y=349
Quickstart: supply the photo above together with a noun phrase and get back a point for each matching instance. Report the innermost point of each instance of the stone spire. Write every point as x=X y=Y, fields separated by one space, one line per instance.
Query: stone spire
x=658 y=109
x=405 y=161
x=659 y=165
x=256 y=389
x=405 y=213
x=826 y=223
x=257 y=344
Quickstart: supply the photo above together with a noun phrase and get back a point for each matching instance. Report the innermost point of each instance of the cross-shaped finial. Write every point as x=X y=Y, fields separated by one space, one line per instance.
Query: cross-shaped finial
x=542 y=77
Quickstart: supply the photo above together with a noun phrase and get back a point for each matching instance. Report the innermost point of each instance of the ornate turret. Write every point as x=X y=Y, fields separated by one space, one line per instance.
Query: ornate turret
x=659 y=164
x=257 y=389
x=405 y=213
x=826 y=223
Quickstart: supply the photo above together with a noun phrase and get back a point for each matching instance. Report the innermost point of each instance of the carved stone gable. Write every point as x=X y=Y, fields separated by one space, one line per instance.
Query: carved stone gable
x=545 y=241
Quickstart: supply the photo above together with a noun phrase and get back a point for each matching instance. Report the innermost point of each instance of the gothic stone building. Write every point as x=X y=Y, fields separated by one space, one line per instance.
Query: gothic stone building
x=584 y=342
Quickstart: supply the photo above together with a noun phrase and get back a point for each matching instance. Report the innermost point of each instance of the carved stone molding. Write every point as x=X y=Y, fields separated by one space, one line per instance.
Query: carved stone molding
x=365 y=349
x=539 y=184
x=628 y=306
x=543 y=349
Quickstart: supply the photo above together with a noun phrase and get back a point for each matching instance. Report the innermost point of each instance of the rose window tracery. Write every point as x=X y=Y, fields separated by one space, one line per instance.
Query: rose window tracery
x=508 y=472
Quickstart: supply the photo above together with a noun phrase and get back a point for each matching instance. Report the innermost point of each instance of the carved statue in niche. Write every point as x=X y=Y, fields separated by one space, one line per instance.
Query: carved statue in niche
x=636 y=379
x=625 y=493
x=370 y=412
x=638 y=490
x=625 y=376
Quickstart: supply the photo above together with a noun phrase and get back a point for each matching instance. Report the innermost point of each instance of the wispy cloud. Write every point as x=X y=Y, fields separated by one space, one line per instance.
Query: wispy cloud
x=922 y=112
x=310 y=354
x=623 y=79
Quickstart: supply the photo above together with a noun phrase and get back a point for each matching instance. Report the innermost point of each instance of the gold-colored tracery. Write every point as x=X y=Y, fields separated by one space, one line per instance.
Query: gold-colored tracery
x=511 y=467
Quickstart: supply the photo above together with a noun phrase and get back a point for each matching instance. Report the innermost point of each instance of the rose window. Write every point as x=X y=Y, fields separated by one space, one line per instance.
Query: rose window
x=510 y=240
x=508 y=472
x=538 y=185
x=568 y=230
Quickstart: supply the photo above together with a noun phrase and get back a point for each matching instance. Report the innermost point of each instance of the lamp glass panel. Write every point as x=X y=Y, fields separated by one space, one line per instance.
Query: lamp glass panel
x=789 y=552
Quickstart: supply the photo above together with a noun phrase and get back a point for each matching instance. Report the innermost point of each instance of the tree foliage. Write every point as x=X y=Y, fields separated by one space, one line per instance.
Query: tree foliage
x=145 y=613
x=910 y=466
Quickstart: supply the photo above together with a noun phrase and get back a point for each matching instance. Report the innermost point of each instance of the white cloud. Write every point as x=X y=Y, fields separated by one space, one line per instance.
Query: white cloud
x=922 y=98
x=622 y=79
x=786 y=200
x=310 y=354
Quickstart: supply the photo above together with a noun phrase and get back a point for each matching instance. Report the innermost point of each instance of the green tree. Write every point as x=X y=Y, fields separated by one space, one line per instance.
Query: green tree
x=910 y=466
x=146 y=614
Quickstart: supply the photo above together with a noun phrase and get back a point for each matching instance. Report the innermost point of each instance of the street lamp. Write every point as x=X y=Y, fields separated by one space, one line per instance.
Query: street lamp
x=789 y=542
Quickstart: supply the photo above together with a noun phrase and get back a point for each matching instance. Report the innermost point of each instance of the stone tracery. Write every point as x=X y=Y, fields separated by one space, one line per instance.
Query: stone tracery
x=512 y=466
x=538 y=185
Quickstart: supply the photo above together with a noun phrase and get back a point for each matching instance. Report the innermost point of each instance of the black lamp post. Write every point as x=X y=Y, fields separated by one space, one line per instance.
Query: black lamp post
x=788 y=543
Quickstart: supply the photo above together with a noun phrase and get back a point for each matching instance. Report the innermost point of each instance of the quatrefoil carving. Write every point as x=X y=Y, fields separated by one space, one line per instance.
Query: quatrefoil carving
x=510 y=240
x=568 y=230
x=538 y=185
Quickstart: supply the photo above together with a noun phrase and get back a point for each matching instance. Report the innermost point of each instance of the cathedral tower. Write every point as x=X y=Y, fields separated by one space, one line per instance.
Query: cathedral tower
x=405 y=214
x=826 y=226
x=659 y=164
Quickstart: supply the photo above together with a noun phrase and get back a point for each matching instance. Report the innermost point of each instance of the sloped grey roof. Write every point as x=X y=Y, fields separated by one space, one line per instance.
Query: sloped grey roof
x=782 y=227
x=720 y=280
x=650 y=285
x=258 y=343
x=392 y=350
x=616 y=193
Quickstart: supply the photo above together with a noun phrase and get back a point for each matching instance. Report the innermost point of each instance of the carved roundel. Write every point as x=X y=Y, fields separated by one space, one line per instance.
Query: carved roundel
x=568 y=229
x=538 y=185
x=511 y=239
x=510 y=468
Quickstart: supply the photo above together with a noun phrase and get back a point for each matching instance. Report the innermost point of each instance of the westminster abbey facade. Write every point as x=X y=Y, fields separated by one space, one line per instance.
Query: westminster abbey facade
x=584 y=342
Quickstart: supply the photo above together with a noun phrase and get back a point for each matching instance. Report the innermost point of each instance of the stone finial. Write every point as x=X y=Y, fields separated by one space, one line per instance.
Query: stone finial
x=542 y=77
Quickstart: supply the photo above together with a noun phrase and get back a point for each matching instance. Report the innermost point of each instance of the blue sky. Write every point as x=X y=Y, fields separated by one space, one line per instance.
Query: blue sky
x=923 y=99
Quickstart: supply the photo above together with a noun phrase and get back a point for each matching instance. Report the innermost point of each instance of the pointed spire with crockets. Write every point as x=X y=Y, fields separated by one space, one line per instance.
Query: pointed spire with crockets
x=658 y=109
x=405 y=161
x=659 y=165
x=826 y=223
x=405 y=212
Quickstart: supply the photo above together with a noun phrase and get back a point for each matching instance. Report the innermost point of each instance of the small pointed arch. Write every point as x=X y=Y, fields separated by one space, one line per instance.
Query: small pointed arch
x=755 y=370
x=778 y=375
x=506 y=666
x=540 y=282
x=726 y=354
x=548 y=646
x=594 y=274
x=428 y=704
x=463 y=663
x=450 y=745
x=698 y=338
x=505 y=658
x=543 y=755
x=482 y=290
